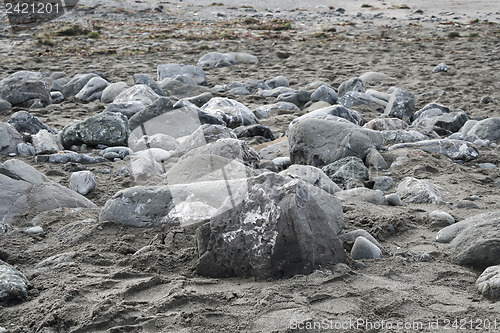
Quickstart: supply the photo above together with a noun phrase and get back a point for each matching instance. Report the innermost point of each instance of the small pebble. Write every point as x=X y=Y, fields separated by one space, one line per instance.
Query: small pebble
x=34 y=230
x=425 y=257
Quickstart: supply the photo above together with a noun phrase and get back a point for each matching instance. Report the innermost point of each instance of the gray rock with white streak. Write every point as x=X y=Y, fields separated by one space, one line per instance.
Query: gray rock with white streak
x=13 y=284
x=271 y=233
x=140 y=93
x=232 y=112
x=475 y=240
x=83 y=182
x=418 y=191
x=401 y=105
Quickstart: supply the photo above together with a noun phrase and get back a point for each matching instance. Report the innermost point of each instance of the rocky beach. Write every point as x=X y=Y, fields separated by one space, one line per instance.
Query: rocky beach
x=200 y=166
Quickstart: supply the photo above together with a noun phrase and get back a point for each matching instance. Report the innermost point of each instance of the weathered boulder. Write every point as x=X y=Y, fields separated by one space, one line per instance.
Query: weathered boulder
x=276 y=109
x=13 y=284
x=362 y=194
x=110 y=129
x=217 y=59
x=25 y=122
x=83 y=182
x=233 y=113
x=418 y=191
x=180 y=87
x=158 y=140
x=45 y=142
x=402 y=136
x=277 y=228
x=160 y=106
x=319 y=142
x=128 y=109
x=171 y=70
x=488 y=284
x=9 y=139
x=140 y=93
x=431 y=106
x=401 y=105
x=337 y=111
x=205 y=134
x=27 y=191
x=362 y=101
x=24 y=87
x=365 y=249
x=444 y=123
x=386 y=124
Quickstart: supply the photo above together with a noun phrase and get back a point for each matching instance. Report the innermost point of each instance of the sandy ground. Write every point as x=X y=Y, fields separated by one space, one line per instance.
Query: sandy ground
x=102 y=287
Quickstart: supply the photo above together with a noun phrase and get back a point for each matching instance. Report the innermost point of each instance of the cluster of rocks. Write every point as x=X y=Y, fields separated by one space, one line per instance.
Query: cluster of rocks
x=268 y=214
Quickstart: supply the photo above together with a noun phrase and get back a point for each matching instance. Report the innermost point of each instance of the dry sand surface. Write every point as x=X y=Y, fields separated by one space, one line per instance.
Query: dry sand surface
x=102 y=287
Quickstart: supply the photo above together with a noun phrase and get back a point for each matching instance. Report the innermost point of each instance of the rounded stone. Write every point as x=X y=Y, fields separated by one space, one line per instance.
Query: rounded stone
x=364 y=249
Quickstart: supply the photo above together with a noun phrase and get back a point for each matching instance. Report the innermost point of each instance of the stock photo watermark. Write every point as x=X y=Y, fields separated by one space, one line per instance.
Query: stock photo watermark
x=26 y=14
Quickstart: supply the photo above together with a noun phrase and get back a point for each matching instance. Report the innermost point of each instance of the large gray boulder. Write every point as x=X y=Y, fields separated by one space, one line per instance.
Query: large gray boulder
x=319 y=142
x=13 y=284
x=27 y=191
x=110 y=129
x=401 y=105
x=456 y=149
x=488 y=284
x=273 y=228
x=172 y=70
x=475 y=240
x=24 y=87
x=82 y=182
x=232 y=112
x=9 y=139
x=337 y=111
x=24 y=121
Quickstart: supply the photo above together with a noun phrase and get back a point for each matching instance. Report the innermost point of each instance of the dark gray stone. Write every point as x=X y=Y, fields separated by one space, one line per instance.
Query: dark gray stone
x=140 y=93
x=298 y=97
x=83 y=182
x=351 y=237
x=149 y=81
x=441 y=107
x=320 y=142
x=312 y=175
x=445 y=123
x=418 y=191
x=365 y=249
x=25 y=122
x=345 y=169
x=4 y=105
x=112 y=91
x=92 y=91
x=201 y=99
x=110 y=129
x=76 y=84
x=21 y=88
x=353 y=84
x=9 y=139
x=475 y=240
x=383 y=183
x=488 y=283
x=401 y=105
x=13 y=284
x=326 y=94
x=233 y=113
x=279 y=228
x=171 y=70
x=27 y=191
x=393 y=199
x=254 y=130
x=455 y=149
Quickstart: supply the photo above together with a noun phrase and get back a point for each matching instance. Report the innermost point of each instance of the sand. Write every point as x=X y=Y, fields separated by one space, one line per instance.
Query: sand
x=103 y=287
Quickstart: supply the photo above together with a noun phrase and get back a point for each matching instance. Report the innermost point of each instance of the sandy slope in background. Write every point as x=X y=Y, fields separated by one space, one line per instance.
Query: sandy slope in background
x=104 y=288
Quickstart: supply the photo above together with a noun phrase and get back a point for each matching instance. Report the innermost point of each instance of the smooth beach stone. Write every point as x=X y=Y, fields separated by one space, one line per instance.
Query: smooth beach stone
x=93 y=89
x=364 y=249
x=487 y=129
x=278 y=81
x=378 y=95
x=23 y=87
x=24 y=149
x=393 y=199
x=149 y=81
x=171 y=70
x=362 y=194
x=201 y=99
x=326 y=94
x=351 y=236
x=375 y=160
x=488 y=283
x=346 y=168
x=4 y=105
x=34 y=230
x=441 y=107
x=254 y=130
x=280 y=108
x=128 y=109
x=353 y=84
x=374 y=77
x=232 y=112
x=455 y=149
x=217 y=59
x=442 y=216
x=298 y=97
x=352 y=116
x=151 y=112
x=181 y=87
x=111 y=91
x=442 y=67
x=76 y=84
x=276 y=92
